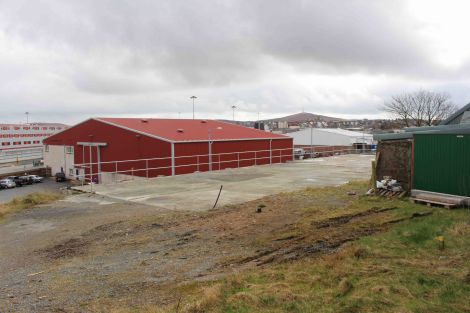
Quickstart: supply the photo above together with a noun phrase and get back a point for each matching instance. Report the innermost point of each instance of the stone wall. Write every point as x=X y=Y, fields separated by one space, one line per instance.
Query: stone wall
x=42 y=171
x=395 y=160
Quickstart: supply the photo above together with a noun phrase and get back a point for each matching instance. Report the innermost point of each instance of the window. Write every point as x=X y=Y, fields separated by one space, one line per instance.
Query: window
x=16 y=143
x=5 y=143
x=69 y=150
x=71 y=171
x=26 y=142
x=46 y=148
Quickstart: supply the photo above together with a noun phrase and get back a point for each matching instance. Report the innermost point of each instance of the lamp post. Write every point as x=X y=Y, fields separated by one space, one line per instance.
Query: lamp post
x=233 y=112
x=193 y=97
x=27 y=117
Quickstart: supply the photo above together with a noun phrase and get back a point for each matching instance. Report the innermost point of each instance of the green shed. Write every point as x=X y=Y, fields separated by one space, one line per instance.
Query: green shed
x=442 y=163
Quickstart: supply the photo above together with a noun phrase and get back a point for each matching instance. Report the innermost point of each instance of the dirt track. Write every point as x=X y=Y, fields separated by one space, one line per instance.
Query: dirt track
x=119 y=251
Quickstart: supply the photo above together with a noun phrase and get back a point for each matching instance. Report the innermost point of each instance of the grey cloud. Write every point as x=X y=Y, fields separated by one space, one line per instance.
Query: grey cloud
x=217 y=42
x=122 y=57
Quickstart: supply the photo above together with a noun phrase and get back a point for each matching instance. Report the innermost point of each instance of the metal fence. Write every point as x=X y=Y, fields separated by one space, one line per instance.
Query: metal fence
x=121 y=170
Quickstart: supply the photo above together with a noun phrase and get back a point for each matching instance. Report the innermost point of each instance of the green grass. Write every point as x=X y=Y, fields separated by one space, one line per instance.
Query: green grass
x=399 y=270
x=27 y=202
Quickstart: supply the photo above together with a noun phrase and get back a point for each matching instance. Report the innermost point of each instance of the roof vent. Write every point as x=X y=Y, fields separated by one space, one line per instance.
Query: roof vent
x=203 y=121
x=180 y=130
x=144 y=120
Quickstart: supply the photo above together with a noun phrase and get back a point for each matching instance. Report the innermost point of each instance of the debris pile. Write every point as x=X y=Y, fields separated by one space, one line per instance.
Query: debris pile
x=388 y=187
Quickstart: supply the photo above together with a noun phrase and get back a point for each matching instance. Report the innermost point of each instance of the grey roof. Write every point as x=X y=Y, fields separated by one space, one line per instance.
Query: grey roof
x=454 y=116
x=409 y=132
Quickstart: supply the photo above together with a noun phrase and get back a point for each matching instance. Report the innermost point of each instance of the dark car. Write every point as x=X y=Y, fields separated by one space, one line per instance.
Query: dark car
x=60 y=177
x=17 y=179
x=27 y=180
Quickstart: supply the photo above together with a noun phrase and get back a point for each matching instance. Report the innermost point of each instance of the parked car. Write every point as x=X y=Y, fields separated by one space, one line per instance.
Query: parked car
x=27 y=180
x=36 y=178
x=18 y=180
x=7 y=184
x=299 y=153
x=60 y=177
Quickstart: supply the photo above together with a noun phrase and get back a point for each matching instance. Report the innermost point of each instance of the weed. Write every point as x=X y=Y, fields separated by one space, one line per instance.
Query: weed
x=27 y=202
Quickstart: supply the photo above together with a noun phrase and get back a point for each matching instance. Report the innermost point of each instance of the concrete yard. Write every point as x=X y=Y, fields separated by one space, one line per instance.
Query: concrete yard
x=199 y=191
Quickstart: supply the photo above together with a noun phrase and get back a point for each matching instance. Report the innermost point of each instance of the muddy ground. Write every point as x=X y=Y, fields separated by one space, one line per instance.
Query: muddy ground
x=88 y=253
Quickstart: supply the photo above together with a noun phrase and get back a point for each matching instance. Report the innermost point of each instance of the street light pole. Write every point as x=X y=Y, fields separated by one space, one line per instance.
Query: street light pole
x=193 y=97
x=233 y=112
x=27 y=117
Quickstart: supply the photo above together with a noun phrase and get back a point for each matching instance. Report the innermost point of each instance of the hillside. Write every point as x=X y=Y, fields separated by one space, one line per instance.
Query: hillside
x=305 y=116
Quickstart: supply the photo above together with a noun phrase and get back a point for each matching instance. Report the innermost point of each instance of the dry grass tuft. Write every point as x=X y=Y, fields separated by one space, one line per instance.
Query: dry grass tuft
x=381 y=289
x=210 y=298
x=234 y=282
x=345 y=286
x=27 y=202
x=466 y=276
x=243 y=297
x=460 y=229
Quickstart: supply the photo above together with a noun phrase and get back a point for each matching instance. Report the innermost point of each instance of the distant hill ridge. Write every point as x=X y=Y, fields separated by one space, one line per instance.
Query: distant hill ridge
x=303 y=117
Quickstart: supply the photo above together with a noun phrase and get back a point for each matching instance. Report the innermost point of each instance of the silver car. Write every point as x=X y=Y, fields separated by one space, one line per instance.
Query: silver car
x=7 y=183
x=35 y=178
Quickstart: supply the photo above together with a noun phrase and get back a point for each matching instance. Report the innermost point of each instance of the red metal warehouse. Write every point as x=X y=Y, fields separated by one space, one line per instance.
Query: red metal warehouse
x=102 y=148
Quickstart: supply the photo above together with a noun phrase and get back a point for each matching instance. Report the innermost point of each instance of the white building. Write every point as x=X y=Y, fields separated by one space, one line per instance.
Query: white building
x=329 y=137
x=21 y=143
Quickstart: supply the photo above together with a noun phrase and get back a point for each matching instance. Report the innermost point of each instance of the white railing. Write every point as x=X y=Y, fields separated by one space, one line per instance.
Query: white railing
x=143 y=168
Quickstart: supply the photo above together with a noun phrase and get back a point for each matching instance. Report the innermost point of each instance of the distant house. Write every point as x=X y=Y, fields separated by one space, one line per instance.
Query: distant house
x=431 y=159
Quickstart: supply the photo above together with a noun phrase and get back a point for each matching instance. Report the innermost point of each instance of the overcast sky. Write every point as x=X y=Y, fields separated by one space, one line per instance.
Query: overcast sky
x=67 y=60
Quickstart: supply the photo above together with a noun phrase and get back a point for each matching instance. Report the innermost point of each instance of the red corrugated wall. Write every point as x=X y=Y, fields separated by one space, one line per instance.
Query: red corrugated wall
x=189 y=157
x=122 y=145
x=192 y=156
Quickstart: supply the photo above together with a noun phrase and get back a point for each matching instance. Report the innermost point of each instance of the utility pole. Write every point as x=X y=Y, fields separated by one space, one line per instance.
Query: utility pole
x=233 y=112
x=193 y=97
x=27 y=117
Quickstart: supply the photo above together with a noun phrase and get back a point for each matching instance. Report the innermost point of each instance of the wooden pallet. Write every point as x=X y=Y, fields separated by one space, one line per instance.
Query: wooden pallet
x=429 y=203
x=390 y=193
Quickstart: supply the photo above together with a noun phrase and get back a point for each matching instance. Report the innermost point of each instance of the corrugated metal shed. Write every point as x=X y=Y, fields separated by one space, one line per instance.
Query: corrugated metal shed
x=329 y=137
x=442 y=163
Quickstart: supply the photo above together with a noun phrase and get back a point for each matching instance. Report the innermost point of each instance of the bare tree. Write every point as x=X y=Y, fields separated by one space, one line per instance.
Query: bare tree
x=420 y=108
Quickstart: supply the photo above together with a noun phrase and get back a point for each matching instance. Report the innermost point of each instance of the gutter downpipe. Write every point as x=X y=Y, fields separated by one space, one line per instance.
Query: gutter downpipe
x=172 y=159
x=270 y=151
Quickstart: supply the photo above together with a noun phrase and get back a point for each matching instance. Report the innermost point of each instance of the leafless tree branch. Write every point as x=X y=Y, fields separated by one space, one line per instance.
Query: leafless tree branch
x=420 y=108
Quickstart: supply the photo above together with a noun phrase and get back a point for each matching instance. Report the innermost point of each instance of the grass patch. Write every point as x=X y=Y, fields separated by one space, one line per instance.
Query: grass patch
x=27 y=202
x=400 y=270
